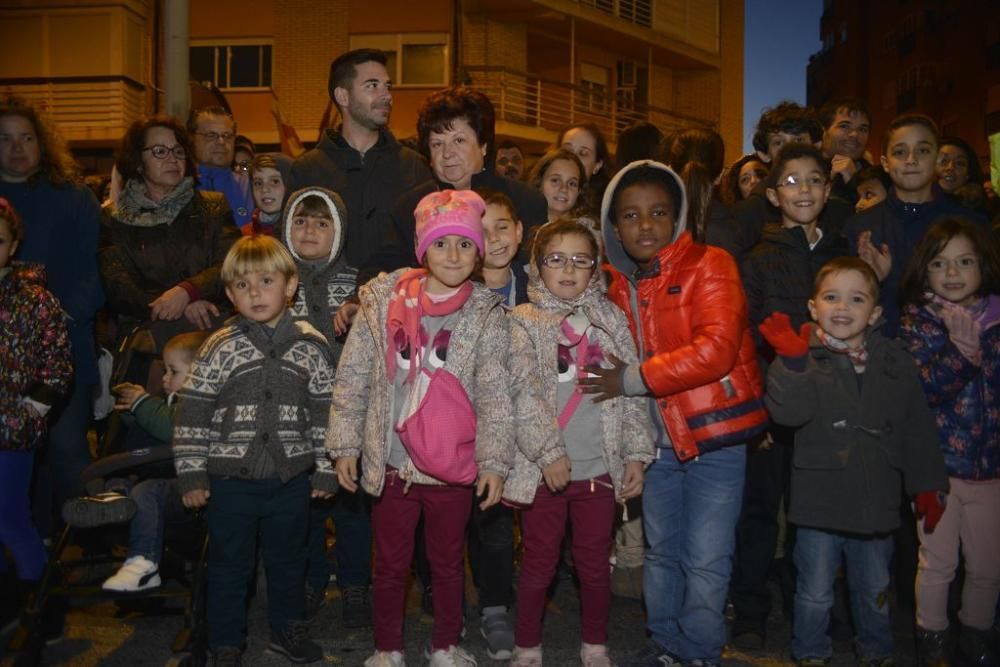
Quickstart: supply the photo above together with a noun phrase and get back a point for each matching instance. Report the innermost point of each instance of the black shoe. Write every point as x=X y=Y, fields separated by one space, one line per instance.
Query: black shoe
x=933 y=648
x=315 y=600
x=227 y=656
x=652 y=655
x=293 y=642
x=357 y=608
x=99 y=510
x=978 y=647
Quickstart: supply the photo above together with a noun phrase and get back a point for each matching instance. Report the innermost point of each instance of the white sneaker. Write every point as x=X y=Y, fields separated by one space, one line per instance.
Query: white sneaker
x=137 y=574
x=595 y=655
x=527 y=657
x=386 y=659
x=454 y=656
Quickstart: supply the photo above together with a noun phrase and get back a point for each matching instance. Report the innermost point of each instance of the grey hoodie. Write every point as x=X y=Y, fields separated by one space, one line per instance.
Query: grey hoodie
x=324 y=284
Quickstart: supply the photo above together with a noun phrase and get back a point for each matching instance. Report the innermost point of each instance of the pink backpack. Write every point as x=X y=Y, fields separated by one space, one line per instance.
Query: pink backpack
x=438 y=428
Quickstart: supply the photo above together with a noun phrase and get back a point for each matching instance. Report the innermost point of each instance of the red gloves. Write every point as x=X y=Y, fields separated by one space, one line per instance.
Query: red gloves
x=777 y=330
x=930 y=505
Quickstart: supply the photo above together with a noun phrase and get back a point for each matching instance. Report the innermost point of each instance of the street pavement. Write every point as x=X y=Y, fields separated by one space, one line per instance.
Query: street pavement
x=102 y=632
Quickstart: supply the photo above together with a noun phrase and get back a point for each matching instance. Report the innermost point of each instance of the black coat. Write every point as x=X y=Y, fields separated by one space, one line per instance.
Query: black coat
x=856 y=448
x=778 y=274
x=399 y=250
x=369 y=184
x=138 y=264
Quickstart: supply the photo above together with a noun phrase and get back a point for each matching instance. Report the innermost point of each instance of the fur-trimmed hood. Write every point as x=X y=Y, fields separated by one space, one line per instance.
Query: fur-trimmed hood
x=337 y=210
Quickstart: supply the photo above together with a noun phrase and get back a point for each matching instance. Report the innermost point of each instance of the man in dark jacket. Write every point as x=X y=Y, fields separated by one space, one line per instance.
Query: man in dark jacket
x=363 y=163
x=846 y=123
x=361 y=160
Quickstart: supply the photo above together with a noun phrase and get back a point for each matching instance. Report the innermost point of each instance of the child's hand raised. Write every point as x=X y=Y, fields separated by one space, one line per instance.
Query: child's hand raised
x=196 y=498
x=880 y=259
x=347 y=472
x=777 y=331
x=964 y=331
x=606 y=383
x=556 y=474
x=490 y=485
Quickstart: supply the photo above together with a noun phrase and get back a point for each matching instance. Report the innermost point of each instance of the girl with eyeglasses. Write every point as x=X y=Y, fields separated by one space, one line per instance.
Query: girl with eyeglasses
x=576 y=457
x=950 y=326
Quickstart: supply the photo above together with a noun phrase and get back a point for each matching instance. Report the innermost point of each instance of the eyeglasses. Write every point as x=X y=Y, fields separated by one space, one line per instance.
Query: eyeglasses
x=160 y=152
x=243 y=166
x=966 y=263
x=212 y=137
x=793 y=181
x=560 y=261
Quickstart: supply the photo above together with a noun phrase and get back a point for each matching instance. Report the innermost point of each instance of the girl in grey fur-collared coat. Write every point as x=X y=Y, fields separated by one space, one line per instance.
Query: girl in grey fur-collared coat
x=574 y=456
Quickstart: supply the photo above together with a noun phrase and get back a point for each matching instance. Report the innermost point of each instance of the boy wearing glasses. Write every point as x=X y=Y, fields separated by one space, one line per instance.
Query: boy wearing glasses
x=214 y=132
x=778 y=276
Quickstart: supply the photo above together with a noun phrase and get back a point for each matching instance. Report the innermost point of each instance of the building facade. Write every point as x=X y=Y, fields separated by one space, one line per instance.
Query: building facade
x=937 y=57
x=96 y=66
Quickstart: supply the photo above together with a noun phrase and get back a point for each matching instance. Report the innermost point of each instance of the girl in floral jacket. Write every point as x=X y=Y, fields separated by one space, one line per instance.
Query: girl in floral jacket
x=37 y=368
x=951 y=325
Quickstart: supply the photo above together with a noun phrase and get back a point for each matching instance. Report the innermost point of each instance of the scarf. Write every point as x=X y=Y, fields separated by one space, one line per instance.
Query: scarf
x=408 y=304
x=985 y=310
x=136 y=209
x=858 y=356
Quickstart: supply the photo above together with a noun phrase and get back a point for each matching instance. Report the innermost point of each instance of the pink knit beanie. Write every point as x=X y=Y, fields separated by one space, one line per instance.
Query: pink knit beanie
x=449 y=212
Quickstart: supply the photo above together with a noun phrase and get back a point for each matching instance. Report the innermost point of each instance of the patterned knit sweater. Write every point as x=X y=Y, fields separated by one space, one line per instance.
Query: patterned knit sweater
x=255 y=406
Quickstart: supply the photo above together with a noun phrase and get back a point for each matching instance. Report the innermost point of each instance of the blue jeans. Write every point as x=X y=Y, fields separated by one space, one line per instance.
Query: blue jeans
x=351 y=514
x=156 y=501
x=690 y=511
x=241 y=513
x=17 y=532
x=817 y=557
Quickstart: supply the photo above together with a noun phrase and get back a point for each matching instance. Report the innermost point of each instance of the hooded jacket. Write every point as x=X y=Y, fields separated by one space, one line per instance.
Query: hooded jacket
x=257 y=219
x=324 y=284
x=370 y=184
x=535 y=328
x=34 y=354
x=362 y=411
x=688 y=315
x=854 y=447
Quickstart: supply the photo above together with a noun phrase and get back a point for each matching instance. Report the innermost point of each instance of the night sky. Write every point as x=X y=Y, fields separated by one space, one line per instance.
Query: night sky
x=779 y=37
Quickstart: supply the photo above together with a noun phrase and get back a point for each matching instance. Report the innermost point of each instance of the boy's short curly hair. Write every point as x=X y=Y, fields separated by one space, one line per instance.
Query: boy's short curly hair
x=188 y=343
x=907 y=120
x=257 y=254
x=789 y=118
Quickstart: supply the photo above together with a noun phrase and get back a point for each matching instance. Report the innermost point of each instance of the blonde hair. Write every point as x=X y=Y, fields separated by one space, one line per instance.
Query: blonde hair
x=257 y=254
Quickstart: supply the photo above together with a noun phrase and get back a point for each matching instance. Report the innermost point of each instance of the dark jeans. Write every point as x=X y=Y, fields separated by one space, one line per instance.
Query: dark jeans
x=239 y=510
x=17 y=532
x=62 y=460
x=491 y=553
x=767 y=479
x=157 y=501
x=351 y=514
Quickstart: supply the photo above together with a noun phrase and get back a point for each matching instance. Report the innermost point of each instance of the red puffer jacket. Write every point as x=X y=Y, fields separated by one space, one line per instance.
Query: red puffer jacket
x=699 y=355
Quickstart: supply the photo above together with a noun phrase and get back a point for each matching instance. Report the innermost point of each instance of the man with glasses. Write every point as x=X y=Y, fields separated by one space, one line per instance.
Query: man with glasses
x=214 y=132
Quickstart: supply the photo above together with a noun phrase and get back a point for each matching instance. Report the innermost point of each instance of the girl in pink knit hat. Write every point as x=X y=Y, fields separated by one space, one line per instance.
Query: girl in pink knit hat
x=422 y=397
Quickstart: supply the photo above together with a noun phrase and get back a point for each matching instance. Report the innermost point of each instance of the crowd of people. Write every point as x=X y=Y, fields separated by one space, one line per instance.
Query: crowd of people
x=678 y=376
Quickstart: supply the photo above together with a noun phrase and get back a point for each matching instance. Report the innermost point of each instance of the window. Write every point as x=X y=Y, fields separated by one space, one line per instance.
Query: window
x=414 y=59
x=594 y=88
x=237 y=64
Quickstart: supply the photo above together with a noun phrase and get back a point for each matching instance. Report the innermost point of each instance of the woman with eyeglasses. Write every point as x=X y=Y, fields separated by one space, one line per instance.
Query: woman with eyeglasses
x=40 y=179
x=163 y=242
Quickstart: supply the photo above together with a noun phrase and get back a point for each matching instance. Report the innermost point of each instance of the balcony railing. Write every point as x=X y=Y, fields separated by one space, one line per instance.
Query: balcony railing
x=85 y=108
x=550 y=104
